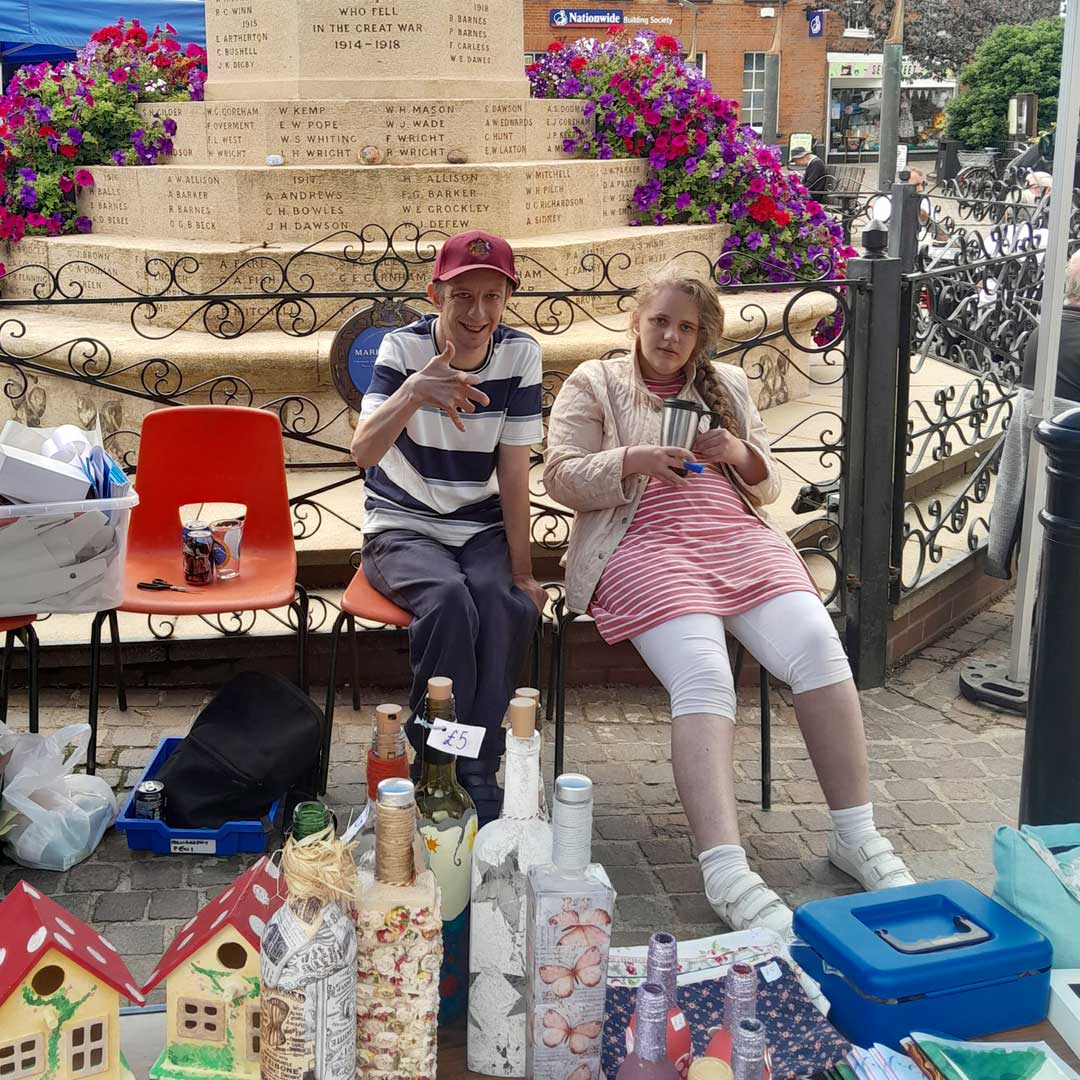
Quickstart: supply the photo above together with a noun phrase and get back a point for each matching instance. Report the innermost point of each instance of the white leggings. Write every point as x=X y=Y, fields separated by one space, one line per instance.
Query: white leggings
x=791 y=635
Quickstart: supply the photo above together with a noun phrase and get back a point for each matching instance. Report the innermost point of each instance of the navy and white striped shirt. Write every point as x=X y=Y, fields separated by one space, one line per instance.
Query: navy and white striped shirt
x=436 y=480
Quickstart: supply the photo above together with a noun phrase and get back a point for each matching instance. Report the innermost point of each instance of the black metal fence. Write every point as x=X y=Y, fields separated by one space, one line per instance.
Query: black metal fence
x=82 y=341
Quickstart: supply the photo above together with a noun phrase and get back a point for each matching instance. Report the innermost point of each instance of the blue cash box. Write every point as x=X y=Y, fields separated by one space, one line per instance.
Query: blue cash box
x=941 y=958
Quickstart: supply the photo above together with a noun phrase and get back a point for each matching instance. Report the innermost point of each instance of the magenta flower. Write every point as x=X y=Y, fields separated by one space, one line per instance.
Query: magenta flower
x=66 y=184
x=84 y=178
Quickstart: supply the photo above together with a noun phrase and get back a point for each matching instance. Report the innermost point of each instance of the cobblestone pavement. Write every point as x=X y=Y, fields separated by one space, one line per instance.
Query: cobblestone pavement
x=944 y=773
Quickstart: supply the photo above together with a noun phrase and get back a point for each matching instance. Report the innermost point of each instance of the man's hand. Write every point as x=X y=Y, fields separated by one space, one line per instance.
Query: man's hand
x=533 y=589
x=442 y=387
x=663 y=462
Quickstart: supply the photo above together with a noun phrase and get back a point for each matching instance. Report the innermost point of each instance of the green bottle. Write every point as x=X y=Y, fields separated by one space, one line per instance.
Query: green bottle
x=448 y=828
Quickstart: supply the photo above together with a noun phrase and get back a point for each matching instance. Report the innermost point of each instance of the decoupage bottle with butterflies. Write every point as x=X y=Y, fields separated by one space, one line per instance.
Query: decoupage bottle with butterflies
x=568 y=935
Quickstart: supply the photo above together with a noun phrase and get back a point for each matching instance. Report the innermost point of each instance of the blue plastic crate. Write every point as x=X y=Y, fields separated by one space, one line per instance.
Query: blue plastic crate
x=151 y=835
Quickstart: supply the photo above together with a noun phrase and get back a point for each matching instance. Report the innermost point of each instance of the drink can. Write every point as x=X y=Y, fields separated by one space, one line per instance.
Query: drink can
x=227 y=535
x=193 y=526
x=150 y=800
x=199 y=557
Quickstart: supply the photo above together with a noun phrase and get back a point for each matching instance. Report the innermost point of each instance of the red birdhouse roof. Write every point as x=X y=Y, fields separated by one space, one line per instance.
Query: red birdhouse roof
x=31 y=924
x=246 y=905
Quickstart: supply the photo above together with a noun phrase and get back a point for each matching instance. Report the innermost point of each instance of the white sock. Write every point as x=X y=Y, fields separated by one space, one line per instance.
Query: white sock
x=721 y=867
x=855 y=825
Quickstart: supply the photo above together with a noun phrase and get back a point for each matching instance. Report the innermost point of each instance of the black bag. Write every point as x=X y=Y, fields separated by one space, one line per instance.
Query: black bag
x=258 y=737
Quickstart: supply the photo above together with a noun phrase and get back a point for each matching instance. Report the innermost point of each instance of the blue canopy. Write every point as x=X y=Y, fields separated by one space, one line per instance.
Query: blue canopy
x=33 y=30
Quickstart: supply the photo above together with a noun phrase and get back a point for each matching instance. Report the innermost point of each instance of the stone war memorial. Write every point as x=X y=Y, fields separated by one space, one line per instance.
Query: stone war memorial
x=337 y=146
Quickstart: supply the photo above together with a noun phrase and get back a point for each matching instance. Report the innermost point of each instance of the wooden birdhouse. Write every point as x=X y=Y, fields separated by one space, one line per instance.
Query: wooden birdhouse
x=212 y=983
x=60 y=987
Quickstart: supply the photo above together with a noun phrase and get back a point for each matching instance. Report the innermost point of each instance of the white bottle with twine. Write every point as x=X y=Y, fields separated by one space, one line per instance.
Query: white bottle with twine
x=308 y=958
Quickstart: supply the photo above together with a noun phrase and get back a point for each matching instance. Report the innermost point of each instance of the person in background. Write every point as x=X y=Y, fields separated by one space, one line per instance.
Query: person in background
x=672 y=561
x=1007 y=513
x=445 y=435
x=814 y=176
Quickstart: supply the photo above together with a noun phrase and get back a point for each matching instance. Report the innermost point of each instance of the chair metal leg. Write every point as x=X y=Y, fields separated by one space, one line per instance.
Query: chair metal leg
x=30 y=640
x=354 y=645
x=300 y=606
x=736 y=673
x=95 y=689
x=766 y=742
x=118 y=663
x=535 y=665
x=5 y=676
x=331 y=687
x=553 y=671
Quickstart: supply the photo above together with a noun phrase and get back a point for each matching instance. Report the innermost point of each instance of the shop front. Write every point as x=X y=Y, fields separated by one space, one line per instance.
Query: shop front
x=854 y=97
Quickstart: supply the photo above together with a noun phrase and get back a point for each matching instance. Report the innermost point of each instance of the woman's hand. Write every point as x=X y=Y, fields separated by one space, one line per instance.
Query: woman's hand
x=664 y=462
x=720 y=447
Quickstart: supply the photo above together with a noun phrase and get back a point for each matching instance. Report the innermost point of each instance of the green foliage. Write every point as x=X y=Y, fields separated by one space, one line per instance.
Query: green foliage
x=1012 y=60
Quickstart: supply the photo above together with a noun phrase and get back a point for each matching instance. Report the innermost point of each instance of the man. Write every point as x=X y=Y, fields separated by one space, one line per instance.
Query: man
x=1007 y=514
x=813 y=169
x=444 y=433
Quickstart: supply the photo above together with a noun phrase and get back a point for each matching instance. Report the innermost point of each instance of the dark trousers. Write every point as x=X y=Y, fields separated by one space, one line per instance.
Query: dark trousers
x=470 y=622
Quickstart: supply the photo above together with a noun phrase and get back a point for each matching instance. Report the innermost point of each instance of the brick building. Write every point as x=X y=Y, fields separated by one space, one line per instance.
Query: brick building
x=827 y=82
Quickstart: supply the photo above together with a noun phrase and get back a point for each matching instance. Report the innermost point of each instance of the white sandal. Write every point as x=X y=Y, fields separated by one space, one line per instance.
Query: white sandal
x=752 y=903
x=874 y=863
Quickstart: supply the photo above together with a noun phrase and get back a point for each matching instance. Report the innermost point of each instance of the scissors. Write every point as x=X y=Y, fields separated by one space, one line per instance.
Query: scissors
x=159 y=585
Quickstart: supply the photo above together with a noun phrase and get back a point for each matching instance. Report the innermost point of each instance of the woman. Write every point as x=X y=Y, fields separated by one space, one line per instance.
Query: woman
x=669 y=560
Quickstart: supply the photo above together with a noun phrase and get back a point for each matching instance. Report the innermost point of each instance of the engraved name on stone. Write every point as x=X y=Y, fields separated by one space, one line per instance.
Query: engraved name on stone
x=548 y=196
x=232 y=131
x=238 y=46
x=304 y=204
x=419 y=131
x=505 y=129
x=190 y=203
x=314 y=133
x=469 y=39
x=110 y=202
x=366 y=28
x=447 y=206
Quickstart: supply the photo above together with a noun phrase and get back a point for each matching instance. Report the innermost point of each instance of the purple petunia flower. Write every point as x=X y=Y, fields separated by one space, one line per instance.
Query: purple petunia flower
x=75 y=135
x=691 y=166
x=28 y=175
x=118 y=157
x=28 y=197
x=683 y=200
x=738 y=210
x=82 y=224
x=753 y=240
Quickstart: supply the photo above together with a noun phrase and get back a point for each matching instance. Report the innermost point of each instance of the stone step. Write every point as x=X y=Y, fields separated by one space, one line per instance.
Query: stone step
x=369 y=132
x=256 y=204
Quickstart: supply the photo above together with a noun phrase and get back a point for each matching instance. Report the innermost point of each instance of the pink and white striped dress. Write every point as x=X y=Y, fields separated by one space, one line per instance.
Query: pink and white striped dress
x=692 y=550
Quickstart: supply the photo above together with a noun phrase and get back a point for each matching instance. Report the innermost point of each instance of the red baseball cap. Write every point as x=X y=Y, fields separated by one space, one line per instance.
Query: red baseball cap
x=474 y=250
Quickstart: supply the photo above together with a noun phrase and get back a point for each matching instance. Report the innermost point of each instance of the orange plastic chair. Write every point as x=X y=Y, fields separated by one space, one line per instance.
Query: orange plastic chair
x=360 y=601
x=20 y=628
x=197 y=454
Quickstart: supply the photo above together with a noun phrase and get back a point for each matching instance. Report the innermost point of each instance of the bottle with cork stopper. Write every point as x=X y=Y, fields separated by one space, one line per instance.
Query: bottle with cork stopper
x=399 y=946
x=504 y=851
x=385 y=758
x=448 y=829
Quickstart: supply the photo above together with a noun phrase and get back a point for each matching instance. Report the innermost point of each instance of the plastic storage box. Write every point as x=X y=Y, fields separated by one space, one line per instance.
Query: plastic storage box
x=152 y=835
x=66 y=557
x=940 y=957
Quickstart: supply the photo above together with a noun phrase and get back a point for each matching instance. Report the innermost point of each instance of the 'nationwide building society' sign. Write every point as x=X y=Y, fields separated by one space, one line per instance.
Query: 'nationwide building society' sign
x=571 y=17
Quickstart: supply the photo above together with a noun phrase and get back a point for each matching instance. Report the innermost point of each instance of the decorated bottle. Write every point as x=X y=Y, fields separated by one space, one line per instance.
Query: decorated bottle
x=649 y=1059
x=568 y=934
x=504 y=851
x=448 y=829
x=399 y=947
x=662 y=968
x=740 y=1003
x=386 y=758
x=748 y=1056
x=533 y=695
x=308 y=959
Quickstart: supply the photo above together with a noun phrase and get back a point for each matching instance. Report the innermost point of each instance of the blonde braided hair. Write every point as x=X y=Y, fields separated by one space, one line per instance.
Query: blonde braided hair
x=710 y=332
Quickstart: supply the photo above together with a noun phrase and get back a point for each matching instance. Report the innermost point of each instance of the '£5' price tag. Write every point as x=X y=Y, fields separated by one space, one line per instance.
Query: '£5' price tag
x=460 y=739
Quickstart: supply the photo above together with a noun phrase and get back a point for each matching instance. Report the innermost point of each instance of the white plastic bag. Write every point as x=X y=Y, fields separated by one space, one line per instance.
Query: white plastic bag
x=60 y=817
